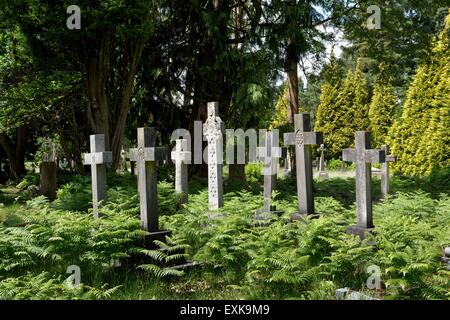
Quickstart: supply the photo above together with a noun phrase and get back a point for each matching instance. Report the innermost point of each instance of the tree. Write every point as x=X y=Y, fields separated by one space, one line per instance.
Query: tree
x=382 y=110
x=106 y=52
x=343 y=108
x=421 y=138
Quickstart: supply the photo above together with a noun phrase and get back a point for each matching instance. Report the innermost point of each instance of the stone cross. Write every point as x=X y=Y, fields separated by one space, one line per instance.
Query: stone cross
x=270 y=153
x=145 y=156
x=323 y=174
x=385 y=171
x=363 y=156
x=97 y=160
x=181 y=157
x=303 y=138
x=213 y=130
x=123 y=161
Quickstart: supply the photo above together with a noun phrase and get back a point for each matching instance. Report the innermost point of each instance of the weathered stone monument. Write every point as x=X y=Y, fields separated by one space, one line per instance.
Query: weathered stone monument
x=123 y=161
x=363 y=156
x=270 y=154
x=303 y=138
x=97 y=160
x=213 y=130
x=48 y=179
x=146 y=155
x=181 y=157
x=323 y=174
x=385 y=171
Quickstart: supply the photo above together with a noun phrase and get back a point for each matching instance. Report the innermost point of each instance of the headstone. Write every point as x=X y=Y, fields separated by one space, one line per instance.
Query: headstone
x=323 y=174
x=97 y=160
x=213 y=130
x=48 y=180
x=270 y=154
x=181 y=157
x=385 y=171
x=123 y=161
x=146 y=155
x=303 y=138
x=363 y=156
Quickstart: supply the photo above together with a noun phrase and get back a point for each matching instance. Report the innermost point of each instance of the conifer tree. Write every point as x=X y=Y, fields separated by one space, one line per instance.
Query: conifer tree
x=342 y=111
x=382 y=109
x=421 y=137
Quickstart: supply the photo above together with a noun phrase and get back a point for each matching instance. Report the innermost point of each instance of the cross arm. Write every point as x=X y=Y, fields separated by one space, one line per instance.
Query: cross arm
x=98 y=158
x=375 y=156
x=391 y=158
x=349 y=155
x=313 y=137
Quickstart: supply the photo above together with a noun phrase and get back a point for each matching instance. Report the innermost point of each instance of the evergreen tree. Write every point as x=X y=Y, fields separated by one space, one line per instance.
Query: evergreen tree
x=343 y=110
x=382 y=110
x=421 y=137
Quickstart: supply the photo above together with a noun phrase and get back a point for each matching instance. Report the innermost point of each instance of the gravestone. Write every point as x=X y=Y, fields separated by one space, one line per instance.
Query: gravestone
x=303 y=138
x=123 y=161
x=213 y=130
x=323 y=174
x=363 y=156
x=181 y=157
x=97 y=160
x=385 y=171
x=287 y=164
x=270 y=154
x=47 y=179
x=146 y=155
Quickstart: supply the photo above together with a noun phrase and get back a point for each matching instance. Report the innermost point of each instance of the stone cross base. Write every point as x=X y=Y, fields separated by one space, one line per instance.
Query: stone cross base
x=323 y=175
x=158 y=235
x=267 y=213
x=302 y=217
x=359 y=231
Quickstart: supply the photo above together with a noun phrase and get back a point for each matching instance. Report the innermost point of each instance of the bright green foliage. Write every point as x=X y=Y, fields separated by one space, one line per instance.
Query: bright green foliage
x=282 y=260
x=381 y=112
x=343 y=110
x=421 y=137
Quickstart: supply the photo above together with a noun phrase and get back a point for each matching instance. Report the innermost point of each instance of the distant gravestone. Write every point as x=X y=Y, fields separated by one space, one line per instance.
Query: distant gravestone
x=363 y=156
x=48 y=179
x=146 y=155
x=323 y=174
x=97 y=160
x=270 y=155
x=123 y=161
x=181 y=157
x=303 y=138
x=385 y=171
x=213 y=130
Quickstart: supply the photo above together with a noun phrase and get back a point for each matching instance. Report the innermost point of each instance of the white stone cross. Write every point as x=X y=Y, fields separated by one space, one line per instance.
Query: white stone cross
x=97 y=160
x=303 y=138
x=213 y=130
x=181 y=157
x=270 y=155
x=363 y=156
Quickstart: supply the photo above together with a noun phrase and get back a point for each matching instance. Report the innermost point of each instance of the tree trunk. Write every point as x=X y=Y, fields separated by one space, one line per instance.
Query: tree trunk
x=15 y=152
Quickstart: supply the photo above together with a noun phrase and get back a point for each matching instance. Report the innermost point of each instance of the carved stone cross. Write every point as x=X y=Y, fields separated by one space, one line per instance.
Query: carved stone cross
x=363 y=156
x=97 y=160
x=270 y=155
x=213 y=130
x=303 y=138
x=385 y=170
x=181 y=157
x=146 y=155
